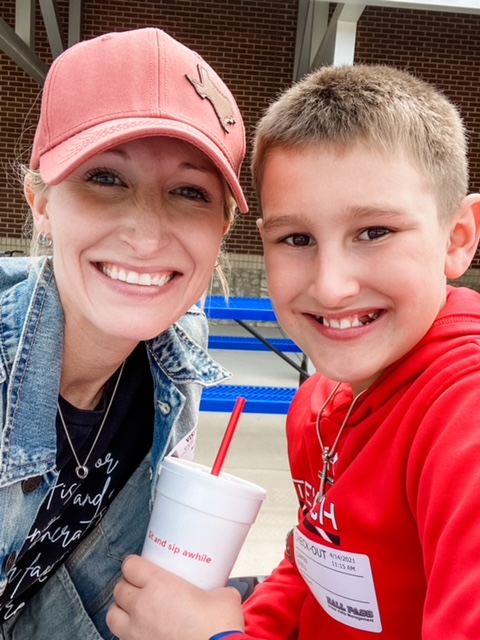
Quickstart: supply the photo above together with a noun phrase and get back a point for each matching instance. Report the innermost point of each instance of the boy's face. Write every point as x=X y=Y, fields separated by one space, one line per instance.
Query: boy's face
x=355 y=256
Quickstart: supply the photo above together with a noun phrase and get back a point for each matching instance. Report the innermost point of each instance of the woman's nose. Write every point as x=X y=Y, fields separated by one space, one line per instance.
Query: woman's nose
x=148 y=228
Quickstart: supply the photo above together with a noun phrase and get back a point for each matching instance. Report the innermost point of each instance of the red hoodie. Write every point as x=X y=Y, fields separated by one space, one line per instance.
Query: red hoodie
x=393 y=549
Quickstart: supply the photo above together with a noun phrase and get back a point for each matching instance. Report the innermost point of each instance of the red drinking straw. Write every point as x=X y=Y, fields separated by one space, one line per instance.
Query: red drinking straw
x=227 y=438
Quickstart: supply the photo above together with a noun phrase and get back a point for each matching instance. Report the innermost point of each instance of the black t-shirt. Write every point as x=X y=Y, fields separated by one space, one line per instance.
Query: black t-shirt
x=74 y=506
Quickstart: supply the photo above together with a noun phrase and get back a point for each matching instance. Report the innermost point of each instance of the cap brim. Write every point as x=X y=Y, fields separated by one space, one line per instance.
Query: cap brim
x=60 y=161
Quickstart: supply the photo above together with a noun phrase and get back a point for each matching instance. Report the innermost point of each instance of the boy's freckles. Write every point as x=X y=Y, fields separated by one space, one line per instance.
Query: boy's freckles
x=355 y=256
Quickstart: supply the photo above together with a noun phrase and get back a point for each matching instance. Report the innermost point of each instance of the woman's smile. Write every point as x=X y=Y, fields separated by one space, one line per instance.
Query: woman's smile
x=130 y=276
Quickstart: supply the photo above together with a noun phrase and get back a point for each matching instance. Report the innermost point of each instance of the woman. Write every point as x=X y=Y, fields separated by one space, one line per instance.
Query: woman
x=132 y=184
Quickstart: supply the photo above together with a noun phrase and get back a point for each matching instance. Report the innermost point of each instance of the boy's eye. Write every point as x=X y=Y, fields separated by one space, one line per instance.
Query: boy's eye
x=105 y=177
x=193 y=193
x=298 y=240
x=373 y=233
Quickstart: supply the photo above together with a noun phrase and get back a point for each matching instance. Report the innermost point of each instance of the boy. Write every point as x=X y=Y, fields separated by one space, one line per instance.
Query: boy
x=362 y=176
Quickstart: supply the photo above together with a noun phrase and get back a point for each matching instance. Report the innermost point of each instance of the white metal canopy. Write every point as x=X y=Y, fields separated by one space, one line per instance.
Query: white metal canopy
x=322 y=41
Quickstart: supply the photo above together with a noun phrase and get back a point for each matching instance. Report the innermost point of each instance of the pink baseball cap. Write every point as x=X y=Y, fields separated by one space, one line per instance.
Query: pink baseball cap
x=133 y=84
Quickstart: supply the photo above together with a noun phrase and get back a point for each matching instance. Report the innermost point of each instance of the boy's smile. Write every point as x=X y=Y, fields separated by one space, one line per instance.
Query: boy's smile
x=355 y=256
x=348 y=323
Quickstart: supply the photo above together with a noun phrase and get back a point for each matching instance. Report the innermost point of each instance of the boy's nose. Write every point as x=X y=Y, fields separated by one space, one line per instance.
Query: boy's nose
x=334 y=280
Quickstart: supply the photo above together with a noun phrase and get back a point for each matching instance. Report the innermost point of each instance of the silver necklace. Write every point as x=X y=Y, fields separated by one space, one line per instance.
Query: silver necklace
x=82 y=470
x=328 y=453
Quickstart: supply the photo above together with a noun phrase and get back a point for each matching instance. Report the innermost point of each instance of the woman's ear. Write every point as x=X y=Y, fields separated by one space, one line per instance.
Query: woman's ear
x=37 y=200
x=260 y=226
x=226 y=226
x=464 y=237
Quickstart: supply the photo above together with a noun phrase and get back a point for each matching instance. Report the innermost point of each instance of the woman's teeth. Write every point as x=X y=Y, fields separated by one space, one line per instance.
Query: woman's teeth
x=133 y=277
x=349 y=323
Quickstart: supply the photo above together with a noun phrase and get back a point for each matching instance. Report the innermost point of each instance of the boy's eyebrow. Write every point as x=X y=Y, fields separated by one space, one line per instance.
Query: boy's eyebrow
x=283 y=220
x=354 y=213
x=386 y=211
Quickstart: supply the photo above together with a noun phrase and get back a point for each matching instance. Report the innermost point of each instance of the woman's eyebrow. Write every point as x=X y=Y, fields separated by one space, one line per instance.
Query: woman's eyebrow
x=116 y=151
x=197 y=166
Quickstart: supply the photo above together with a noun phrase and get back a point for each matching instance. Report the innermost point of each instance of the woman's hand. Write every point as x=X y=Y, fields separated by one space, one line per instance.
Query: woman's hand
x=154 y=604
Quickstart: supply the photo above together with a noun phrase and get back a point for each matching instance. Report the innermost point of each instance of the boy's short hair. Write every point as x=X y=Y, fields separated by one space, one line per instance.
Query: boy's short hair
x=383 y=107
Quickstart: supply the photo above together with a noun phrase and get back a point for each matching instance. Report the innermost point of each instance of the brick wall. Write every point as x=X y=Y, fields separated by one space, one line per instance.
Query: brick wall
x=441 y=48
x=251 y=44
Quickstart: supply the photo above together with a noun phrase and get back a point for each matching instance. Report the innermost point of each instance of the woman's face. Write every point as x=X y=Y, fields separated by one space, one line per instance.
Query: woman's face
x=136 y=233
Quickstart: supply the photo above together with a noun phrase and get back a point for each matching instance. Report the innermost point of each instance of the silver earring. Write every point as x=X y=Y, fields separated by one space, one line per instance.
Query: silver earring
x=44 y=240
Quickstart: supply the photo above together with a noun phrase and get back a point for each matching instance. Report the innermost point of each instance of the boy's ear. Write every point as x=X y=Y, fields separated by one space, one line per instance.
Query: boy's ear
x=464 y=237
x=37 y=201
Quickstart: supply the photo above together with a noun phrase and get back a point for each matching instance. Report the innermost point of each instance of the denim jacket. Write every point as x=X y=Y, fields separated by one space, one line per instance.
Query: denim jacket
x=73 y=602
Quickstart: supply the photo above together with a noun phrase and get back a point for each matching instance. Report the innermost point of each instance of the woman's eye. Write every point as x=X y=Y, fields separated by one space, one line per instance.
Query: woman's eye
x=193 y=193
x=373 y=233
x=105 y=177
x=299 y=240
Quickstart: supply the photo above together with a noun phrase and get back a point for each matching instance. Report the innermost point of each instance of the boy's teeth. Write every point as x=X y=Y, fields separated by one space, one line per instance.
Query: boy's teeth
x=348 y=323
x=344 y=323
x=132 y=277
x=370 y=317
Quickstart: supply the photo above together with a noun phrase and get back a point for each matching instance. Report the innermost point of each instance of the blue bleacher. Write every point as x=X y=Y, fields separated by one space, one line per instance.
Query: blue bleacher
x=238 y=343
x=239 y=308
x=259 y=399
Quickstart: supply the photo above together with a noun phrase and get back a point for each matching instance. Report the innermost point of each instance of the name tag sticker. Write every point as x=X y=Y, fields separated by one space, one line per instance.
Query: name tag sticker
x=342 y=582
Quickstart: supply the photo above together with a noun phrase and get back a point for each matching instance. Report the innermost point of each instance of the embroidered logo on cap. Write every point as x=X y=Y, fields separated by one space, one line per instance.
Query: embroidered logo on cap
x=221 y=104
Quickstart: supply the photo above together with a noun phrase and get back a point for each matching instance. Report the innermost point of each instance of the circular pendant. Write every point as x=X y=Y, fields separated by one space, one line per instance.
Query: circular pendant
x=81 y=471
